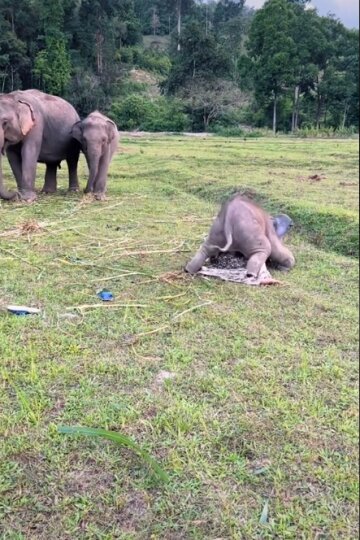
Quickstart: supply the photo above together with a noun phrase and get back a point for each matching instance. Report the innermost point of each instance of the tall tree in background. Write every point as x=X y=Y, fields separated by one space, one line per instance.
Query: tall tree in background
x=200 y=56
x=18 y=30
x=311 y=45
x=337 y=87
x=180 y=8
x=271 y=50
x=52 y=63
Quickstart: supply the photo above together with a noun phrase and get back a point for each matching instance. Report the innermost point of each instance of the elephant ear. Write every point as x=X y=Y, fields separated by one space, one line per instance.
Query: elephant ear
x=111 y=129
x=26 y=117
x=76 y=131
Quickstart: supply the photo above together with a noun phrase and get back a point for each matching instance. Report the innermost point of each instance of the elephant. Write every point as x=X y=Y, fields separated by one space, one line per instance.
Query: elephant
x=242 y=226
x=35 y=128
x=98 y=137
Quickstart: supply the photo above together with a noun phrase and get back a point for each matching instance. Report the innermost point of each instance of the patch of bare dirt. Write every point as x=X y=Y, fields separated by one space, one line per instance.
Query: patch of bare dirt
x=348 y=184
x=313 y=177
x=88 y=478
x=142 y=76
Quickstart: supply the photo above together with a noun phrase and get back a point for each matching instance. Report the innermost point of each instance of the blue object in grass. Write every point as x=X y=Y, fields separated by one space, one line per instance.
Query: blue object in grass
x=105 y=295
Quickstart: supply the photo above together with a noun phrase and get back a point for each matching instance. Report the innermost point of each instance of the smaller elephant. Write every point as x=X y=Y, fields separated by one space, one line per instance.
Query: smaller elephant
x=242 y=226
x=98 y=137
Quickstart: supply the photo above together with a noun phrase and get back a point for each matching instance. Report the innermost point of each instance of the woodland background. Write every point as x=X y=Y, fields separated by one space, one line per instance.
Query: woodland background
x=175 y=65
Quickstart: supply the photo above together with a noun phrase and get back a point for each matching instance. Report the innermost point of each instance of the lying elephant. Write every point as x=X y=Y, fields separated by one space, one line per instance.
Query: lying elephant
x=99 y=137
x=35 y=127
x=242 y=226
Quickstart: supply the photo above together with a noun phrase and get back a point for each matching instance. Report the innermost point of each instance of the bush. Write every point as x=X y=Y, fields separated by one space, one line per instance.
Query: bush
x=236 y=131
x=150 y=60
x=325 y=132
x=154 y=61
x=139 y=112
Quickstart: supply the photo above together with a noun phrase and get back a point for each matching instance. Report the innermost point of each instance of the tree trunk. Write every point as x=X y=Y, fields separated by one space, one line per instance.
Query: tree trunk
x=179 y=23
x=206 y=120
x=99 y=51
x=318 y=111
x=346 y=110
x=275 y=114
x=295 y=112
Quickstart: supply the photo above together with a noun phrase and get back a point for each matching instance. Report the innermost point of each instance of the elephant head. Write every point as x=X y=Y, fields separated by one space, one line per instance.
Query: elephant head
x=96 y=134
x=282 y=224
x=16 y=120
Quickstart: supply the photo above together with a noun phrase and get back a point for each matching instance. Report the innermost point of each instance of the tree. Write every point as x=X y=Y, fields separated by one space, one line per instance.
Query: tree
x=211 y=99
x=311 y=45
x=200 y=57
x=155 y=21
x=271 y=50
x=52 y=62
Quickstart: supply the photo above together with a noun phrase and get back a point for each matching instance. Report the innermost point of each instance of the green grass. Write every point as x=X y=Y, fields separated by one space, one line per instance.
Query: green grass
x=262 y=405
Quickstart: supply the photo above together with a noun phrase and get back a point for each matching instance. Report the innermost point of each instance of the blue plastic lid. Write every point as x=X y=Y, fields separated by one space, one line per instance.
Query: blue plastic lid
x=105 y=295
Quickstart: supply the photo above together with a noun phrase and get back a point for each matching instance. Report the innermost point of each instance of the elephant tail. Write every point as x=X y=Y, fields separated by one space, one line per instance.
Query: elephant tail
x=229 y=242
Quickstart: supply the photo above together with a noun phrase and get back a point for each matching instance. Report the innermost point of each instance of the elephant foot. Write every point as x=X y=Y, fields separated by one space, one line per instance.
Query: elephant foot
x=48 y=190
x=73 y=189
x=100 y=196
x=28 y=196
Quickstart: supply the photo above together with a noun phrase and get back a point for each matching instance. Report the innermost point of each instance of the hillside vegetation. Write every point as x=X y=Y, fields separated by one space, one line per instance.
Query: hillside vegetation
x=218 y=65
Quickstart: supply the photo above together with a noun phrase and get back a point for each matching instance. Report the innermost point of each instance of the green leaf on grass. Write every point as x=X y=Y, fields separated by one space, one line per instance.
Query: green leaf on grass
x=265 y=514
x=117 y=438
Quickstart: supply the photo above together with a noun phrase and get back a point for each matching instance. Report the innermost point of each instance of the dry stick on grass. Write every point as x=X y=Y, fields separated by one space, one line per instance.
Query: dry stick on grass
x=109 y=306
x=117 y=277
x=150 y=252
x=9 y=252
x=166 y=278
x=83 y=265
x=174 y=319
x=171 y=297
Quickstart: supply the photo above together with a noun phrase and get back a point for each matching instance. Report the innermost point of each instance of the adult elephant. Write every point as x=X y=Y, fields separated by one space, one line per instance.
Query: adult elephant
x=36 y=127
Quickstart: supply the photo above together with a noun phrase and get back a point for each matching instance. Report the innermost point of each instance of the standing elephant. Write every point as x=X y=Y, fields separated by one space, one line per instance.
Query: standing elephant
x=35 y=127
x=244 y=227
x=99 y=137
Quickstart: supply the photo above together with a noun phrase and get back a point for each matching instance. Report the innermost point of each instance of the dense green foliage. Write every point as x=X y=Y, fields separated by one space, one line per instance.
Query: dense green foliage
x=282 y=66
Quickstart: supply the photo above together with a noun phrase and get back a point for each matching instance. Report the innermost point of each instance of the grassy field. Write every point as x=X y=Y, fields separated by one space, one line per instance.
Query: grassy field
x=260 y=410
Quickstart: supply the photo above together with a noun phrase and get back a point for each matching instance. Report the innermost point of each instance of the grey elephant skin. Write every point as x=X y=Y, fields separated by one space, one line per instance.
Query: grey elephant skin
x=99 y=137
x=242 y=226
x=35 y=127
x=282 y=223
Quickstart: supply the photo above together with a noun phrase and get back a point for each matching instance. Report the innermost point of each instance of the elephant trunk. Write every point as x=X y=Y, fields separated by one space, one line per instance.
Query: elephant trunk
x=4 y=193
x=93 y=162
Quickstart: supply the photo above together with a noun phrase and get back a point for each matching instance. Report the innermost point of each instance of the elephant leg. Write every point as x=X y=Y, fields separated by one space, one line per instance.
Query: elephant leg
x=15 y=164
x=281 y=255
x=29 y=154
x=258 y=259
x=199 y=259
x=72 y=163
x=50 y=185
